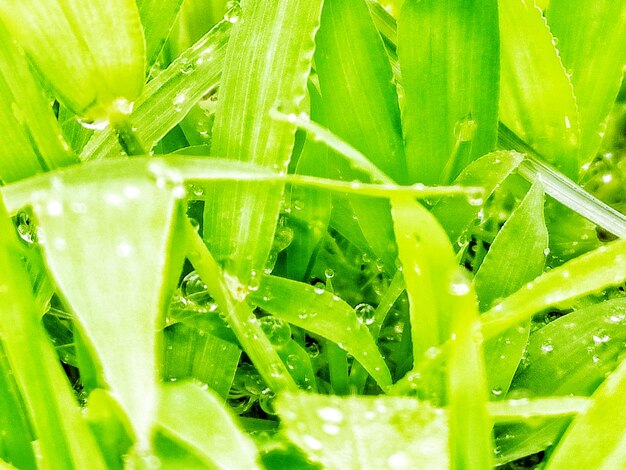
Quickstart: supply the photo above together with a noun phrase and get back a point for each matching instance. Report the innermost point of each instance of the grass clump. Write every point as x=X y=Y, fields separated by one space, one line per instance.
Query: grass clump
x=312 y=234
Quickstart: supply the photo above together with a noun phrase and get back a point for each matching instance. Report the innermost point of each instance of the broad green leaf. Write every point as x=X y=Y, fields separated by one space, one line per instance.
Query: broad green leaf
x=471 y=441
x=196 y=354
x=92 y=53
x=542 y=111
x=573 y=354
x=199 y=421
x=157 y=18
x=586 y=274
x=324 y=314
x=524 y=232
x=596 y=437
x=488 y=172
x=366 y=432
x=64 y=441
x=591 y=38
x=15 y=434
x=32 y=140
x=107 y=243
x=267 y=64
x=427 y=261
x=449 y=58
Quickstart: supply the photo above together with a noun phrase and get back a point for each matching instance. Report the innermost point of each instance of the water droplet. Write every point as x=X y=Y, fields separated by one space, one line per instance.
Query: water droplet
x=94 y=125
x=277 y=330
x=329 y=273
x=475 y=198
x=331 y=429
x=125 y=249
x=319 y=288
x=547 y=347
x=459 y=284
x=311 y=442
x=330 y=414
x=365 y=313
x=398 y=460
x=496 y=391
x=597 y=339
x=313 y=350
x=55 y=208
x=196 y=295
x=234 y=12
x=187 y=66
x=25 y=227
x=283 y=238
x=178 y=102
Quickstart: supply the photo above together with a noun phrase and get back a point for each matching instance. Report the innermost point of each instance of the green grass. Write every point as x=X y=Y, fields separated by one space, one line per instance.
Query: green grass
x=312 y=234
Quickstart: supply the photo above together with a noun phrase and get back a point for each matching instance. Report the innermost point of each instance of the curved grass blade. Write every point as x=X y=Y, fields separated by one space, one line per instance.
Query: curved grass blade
x=575 y=352
x=449 y=60
x=32 y=140
x=589 y=273
x=324 y=314
x=595 y=439
x=488 y=172
x=199 y=421
x=92 y=53
x=109 y=245
x=542 y=111
x=591 y=38
x=64 y=440
x=157 y=18
x=267 y=64
x=376 y=432
x=524 y=239
x=524 y=409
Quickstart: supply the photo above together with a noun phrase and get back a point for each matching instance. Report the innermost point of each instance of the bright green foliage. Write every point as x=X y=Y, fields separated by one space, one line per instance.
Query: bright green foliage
x=119 y=299
x=449 y=56
x=30 y=132
x=92 y=54
x=591 y=37
x=524 y=232
x=596 y=437
x=243 y=291
x=536 y=99
x=198 y=421
x=266 y=66
x=366 y=432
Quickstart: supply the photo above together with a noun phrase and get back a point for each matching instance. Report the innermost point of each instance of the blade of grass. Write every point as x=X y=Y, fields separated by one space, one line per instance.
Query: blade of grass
x=32 y=141
x=324 y=314
x=449 y=58
x=591 y=38
x=488 y=172
x=268 y=60
x=524 y=409
x=361 y=107
x=120 y=229
x=92 y=54
x=64 y=440
x=471 y=440
x=230 y=295
x=196 y=354
x=524 y=233
x=586 y=274
x=574 y=353
x=199 y=421
x=542 y=112
x=376 y=432
x=157 y=18
x=596 y=436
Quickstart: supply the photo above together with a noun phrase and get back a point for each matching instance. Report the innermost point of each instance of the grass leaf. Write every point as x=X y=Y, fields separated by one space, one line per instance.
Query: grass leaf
x=324 y=314
x=586 y=274
x=32 y=141
x=267 y=64
x=118 y=228
x=524 y=232
x=383 y=432
x=199 y=421
x=591 y=38
x=157 y=18
x=449 y=58
x=541 y=111
x=596 y=436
